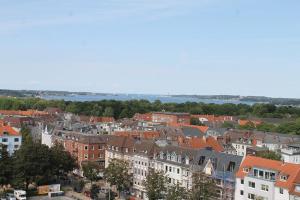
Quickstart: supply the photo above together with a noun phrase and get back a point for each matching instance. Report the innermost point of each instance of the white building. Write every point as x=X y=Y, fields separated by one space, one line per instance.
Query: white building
x=47 y=138
x=264 y=179
x=11 y=138
x=291 y=154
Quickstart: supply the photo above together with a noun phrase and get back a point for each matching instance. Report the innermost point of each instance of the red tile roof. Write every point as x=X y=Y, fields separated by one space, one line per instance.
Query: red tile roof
x=23 y=113
x=201 y=143
x=291 y=170
x=8 y=130
x=213 y=118
x=138 y=134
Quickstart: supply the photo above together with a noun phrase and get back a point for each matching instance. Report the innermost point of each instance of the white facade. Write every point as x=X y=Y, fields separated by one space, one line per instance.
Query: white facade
x=47 y=138
x=12 y=142
x=241 y=148
x=141 y=166
x=291 y=155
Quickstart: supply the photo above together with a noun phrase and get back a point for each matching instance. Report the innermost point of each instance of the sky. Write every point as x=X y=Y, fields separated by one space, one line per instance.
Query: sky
x=234 y=47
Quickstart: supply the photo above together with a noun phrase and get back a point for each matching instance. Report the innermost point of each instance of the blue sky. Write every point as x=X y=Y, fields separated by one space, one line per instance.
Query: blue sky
x=246 y=47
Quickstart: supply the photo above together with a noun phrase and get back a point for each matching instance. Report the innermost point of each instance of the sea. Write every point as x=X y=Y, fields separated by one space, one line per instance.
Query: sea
x=151 y=98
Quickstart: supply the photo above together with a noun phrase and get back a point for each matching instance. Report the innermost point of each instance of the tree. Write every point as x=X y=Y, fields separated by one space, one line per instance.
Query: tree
x=117 y=173
x=196 y=121
x=90 y=171
x=269 y=155
x=155 y=185
x=176 y=192
x=62 y=161
x=227 y=125
x=108 y=112
x=5 y=166
x=203 y=187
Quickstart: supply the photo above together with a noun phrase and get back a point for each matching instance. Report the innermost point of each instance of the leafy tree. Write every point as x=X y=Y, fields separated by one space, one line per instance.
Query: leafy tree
x=156 y=185
x=203 y=187
x=90 y=171
x=227 y=125
x=176 y=192
x=269 y=155
x=62 y=161
x=117 y=173
x=108 y=112
x=196 y=121
x=266 y=127
x=5 y=166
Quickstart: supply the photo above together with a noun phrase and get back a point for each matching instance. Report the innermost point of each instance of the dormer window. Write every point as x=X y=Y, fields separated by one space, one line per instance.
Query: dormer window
x=187 y=160
x=168 y=156
x=283 y=177
x=246 y=169
x=161 y=155
x=201 y=160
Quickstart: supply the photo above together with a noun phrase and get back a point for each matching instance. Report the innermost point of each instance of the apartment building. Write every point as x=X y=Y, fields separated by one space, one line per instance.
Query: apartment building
x=291 y=154
x=11 y=138
x=170 y=118
x=259 y=178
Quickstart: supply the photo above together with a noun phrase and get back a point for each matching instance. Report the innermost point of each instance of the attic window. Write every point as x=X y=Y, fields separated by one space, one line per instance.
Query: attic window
x=201 y=160
x=231 y=166
x=283 y=178
x=5 y=133
x=246 y=169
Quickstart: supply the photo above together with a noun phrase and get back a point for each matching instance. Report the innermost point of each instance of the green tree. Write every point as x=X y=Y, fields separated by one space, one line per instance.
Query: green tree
x=5 y=166
x=176 y=192
x=196 y=121
x=108 y=112
x=156 y=185
x=227 y=125
x=117 y=173
x=62 y=161
x=269 y=155
x=204 y=188
x=90 y=171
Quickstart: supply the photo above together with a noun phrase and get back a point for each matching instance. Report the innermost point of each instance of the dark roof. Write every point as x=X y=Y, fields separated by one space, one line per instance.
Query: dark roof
x=191 y=131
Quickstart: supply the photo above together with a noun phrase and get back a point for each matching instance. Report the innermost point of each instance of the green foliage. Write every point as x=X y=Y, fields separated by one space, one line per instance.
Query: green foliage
x=117 y=173
x=90 y=171
x=127 y=109
x=94 y=191
x=269 y=155
x=266 y=127
x=227 y=125
x=5 y=166
x=36 y=163
x=196 y=121
x=155 y=185
x=176 y=192
x=204 y=188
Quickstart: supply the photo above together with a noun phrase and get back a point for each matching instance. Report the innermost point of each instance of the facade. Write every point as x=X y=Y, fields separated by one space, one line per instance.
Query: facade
x=171 y=118
x=11 y=138
x=84 y=147
x=291 y=154
x=260 y=178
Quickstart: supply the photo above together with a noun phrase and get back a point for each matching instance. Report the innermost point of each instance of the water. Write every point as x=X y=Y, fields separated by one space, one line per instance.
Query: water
x=151 y=98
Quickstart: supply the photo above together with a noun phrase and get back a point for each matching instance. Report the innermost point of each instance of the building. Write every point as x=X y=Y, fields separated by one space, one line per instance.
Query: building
x=259 y=178
x=169 y=118
x=291 y=154
x=11 y=138
x=84 y=147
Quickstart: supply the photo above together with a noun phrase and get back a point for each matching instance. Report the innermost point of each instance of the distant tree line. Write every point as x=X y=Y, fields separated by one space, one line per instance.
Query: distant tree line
x=126 y=109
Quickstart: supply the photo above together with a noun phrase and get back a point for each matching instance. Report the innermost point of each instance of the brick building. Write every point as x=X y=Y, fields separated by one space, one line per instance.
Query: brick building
x=171 y=118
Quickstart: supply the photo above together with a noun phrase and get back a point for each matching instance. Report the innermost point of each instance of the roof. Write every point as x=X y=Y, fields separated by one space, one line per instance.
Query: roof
x=202 y=143
x=171 y=113
x=291 y=170
x=192 y=130
x=9 y=131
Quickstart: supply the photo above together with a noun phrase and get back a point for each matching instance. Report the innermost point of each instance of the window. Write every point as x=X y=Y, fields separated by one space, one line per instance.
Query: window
x=16 y=146
x=281 y=190
x=85 y=147
x=92 y=147
x=242 y=181
x=170 y=169
x=283 y=178
x=242 y=192
x=166 y=168
x=246 y=169
x=251 y=184
x=86 y=156
x=170 y=180
x=264 y=187
x=251 y=196
x=93 y=156
x=261 y=173
x=201 y=160
x=231 y=166
x=178 y=171
x=16 y=139
x=100 y=147
x=4 y=140
x=255 y=172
